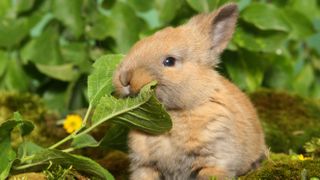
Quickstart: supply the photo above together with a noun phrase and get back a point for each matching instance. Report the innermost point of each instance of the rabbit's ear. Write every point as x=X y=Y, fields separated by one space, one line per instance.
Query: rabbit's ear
x=218 y=26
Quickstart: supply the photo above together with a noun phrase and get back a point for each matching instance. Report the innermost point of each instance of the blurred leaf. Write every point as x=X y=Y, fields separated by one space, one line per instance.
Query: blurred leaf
x=309 y=8
x=8 y=155
x=28 y=148
x=100 y=80
x=12 y=31
x=203 y=5
x=15 y=77
x=44 y=49
x=303 y=81
x=127 y=26
x=100 y=26
x=76 y=93
x=143 y=112
x=315 y=89
x=167 y=9
x=80 y=163
x=26 y=127
x=245 y=69
x=280 y=74
x=152 y=19
x=313 y=42
x=77 y=54
x=84 y=140
x=41 y=24
x=3 y=62
x=65 y=72
x=141 y=5
x=264 y=41
x=316 y=24
x=23 y=5
x=265 y=17
x=242 y=4
x=301 y=27
x=5 y=6
x=55 y=99
x=115 y=138
x=70 y=13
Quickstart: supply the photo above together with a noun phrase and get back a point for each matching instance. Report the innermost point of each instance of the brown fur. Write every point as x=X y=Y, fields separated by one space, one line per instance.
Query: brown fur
x=216 y=131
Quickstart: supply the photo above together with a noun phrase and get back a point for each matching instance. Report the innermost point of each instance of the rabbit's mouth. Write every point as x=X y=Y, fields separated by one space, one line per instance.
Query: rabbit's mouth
x=130 y=82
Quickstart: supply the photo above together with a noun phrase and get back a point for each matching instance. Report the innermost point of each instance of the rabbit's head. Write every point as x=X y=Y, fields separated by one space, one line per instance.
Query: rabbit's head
x=180 y=59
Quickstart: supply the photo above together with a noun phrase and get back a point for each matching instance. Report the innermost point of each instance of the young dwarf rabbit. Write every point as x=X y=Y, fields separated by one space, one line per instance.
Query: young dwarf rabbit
x=216 y=131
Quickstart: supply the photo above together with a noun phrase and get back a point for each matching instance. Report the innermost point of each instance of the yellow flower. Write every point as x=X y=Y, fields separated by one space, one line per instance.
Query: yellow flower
x=72 y=123
x=302 y=158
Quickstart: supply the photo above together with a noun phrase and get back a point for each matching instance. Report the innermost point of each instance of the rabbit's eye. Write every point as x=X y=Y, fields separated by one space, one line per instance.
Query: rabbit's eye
x=169 y=61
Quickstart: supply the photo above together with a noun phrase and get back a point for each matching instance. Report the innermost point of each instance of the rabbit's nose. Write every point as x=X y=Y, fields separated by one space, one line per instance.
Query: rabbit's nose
x=125 y=78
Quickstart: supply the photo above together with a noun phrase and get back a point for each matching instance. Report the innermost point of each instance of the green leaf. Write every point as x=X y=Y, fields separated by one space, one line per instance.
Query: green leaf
x=265 y=17
x=76 y=54
x=8 y=155
x=143 y=112
x=100 y=81
x=23 y=5
x=84 y=140
x=309 y=8
x=26 y=127
x=126 y=26
x=245 y=69
x=167 y=9
x=5 y=6
x=56 y=99
x=313 y=42
x=264 y=41
x=65 y=72
x=301 y=27
x=303 y=81
x=13 y=31
x=4 y=60
x=280 y=74
x=204 y=5
x=70 y=13
x=15 y=76
x=80 y=163
x=139 y=5
x=115 y=138
x=100 y=26
x=27 y=149
x=44 y=49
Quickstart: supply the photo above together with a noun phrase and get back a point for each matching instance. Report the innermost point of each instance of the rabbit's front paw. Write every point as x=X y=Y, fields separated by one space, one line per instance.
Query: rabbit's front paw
x=209 y=173
x=145 y=173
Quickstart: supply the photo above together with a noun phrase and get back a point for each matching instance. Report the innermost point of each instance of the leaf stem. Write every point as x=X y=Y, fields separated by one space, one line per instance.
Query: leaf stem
x=75 y=133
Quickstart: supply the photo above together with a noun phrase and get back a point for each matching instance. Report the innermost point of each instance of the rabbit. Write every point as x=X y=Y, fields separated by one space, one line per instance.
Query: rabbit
x=216 y=131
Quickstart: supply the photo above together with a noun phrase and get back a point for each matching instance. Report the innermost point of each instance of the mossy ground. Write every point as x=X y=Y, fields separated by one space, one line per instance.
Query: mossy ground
x=282 y=166
x=32 y=108
x=289 y=121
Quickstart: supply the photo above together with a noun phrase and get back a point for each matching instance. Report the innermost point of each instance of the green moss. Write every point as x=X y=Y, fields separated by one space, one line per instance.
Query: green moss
x=33 y=109
x=289 y=121
x=313 y=147
x=294 y=169
x=30 y=106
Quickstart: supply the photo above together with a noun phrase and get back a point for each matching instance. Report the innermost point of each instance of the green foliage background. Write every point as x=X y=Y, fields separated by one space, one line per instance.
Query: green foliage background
x=47 y=46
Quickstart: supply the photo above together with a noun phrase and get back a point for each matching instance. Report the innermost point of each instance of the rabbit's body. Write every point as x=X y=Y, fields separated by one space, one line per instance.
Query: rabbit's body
x=215 y=130
x=210 y=134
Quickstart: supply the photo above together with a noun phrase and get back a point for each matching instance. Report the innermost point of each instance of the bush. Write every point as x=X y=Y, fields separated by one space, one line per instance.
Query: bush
x=47 y=47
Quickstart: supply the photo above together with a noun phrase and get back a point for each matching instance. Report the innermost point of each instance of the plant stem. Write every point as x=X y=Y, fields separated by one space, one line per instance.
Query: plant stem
x=86 y=117
x=68 y=150
x=74 y=134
